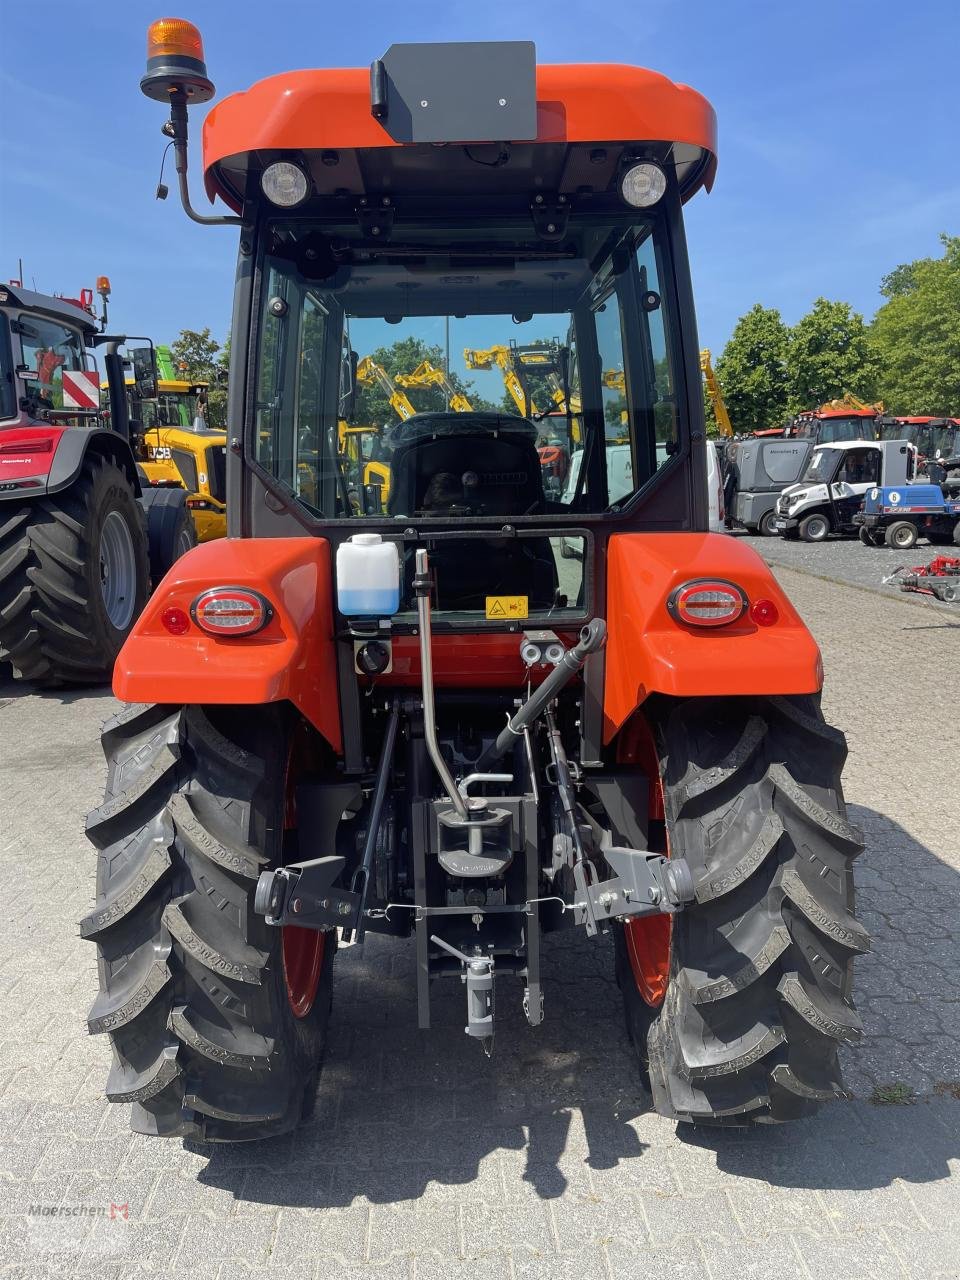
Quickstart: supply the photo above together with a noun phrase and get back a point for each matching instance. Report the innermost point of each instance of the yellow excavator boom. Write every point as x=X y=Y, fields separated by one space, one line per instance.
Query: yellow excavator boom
x=428 y=375
x=502 y=358
x=368 y=371
x=715 y=394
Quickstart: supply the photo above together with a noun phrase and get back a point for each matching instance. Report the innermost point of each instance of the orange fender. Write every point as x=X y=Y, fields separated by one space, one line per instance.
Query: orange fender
x=648 y=652
x=292 y=659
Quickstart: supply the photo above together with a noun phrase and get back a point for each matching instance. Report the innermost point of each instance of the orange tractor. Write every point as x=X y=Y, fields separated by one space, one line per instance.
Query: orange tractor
x=413 y=716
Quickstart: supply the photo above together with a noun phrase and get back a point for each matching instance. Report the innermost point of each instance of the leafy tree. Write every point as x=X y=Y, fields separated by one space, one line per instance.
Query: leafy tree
x=916 y=335
x=752 y=370
x=829 y=353
x=199 y=358
x=900 y=280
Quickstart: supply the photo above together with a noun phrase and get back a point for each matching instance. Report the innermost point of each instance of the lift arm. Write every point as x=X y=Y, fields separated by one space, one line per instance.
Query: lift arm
x=428 y=375
x=715 y=394
x=501 y=357
x=368 y=371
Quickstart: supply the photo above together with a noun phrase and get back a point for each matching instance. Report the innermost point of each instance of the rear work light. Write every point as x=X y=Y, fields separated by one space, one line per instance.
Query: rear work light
x=231 y=611
x=707 y=602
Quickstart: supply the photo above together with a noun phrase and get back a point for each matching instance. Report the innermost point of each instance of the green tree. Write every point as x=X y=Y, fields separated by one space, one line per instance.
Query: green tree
x=200 y=358
x=829 y=353
x=752 y=370
x=916 y=335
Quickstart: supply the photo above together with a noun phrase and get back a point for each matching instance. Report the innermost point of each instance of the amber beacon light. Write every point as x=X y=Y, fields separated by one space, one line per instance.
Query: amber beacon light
x=175 y=62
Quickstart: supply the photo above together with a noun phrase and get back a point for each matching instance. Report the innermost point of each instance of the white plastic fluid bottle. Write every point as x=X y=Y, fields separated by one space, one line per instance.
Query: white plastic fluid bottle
x=368 y=577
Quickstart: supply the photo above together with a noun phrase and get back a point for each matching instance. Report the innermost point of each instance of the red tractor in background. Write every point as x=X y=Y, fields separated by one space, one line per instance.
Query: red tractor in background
x=74 y=572
x=404 y=711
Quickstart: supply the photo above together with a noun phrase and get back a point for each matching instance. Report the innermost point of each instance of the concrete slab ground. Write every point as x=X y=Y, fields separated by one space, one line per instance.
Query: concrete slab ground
x=429 y=1162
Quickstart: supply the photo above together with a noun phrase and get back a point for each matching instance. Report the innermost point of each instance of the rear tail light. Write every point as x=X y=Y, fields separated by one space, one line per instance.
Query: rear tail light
x=708 y=602
x=764 y=613
x=231 y=611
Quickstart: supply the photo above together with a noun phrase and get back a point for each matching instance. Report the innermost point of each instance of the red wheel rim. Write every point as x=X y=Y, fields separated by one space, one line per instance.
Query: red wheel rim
x=302 y=964
x=648 y=938
x=302 y=949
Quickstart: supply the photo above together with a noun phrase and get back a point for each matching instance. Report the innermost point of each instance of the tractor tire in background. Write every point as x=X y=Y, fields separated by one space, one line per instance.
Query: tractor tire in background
x=760 y=964
x=170 y=528
x=814 y=527
x=74 y=577
x=901 y=535
x=218 y=1020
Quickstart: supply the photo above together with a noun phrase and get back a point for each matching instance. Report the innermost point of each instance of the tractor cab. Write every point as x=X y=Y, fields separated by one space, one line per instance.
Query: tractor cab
x=934 y=438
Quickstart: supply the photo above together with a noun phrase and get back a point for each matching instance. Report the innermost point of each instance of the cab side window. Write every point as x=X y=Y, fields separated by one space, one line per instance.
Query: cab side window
x=49 y=348
x=861 y=466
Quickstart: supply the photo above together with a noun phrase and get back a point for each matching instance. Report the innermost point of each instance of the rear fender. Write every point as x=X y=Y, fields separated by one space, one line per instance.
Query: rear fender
x=76 y=443
x=26 y=458
x=47 y=458
x=648 y=652
x=292 y=659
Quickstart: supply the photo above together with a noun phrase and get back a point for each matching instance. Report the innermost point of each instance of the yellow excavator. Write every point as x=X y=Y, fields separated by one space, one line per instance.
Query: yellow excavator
x=850 y=401
x=715 y=394
x=500 y=357
x=428 y=375
x=370 y=373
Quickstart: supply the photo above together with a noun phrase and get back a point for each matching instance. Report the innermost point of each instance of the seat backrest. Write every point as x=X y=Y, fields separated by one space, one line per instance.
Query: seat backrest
x=479 y=464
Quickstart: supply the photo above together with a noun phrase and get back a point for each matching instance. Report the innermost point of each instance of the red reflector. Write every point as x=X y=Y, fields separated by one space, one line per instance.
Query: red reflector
x=231 y=611
x=764 y=613
x=707 y=603
x=42 y=444
x=175 y=620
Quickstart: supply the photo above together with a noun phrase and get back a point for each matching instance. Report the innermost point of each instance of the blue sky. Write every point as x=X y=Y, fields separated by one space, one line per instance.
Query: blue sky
x=839 y=127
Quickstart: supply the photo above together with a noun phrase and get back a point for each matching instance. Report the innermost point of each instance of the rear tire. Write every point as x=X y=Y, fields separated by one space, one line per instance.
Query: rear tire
x=171 y=532
x=869 y=538
x=759 y=996
x=901 y=535
x=73 y=577
x=192 y=981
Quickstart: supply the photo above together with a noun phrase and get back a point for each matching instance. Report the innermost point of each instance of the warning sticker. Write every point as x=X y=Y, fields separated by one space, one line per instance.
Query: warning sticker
x=508 y=607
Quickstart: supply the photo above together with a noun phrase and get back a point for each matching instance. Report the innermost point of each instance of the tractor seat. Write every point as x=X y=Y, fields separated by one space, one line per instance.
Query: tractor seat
x=461 y=465
x=489 y=463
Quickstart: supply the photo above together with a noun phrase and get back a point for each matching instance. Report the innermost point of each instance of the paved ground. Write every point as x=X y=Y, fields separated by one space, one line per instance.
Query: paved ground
x=846 y=559
x=426 y=1161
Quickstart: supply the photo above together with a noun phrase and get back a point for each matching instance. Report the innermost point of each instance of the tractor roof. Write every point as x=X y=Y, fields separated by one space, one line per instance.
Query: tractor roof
x=47 y=305
x=330 y=112
x=845 y=413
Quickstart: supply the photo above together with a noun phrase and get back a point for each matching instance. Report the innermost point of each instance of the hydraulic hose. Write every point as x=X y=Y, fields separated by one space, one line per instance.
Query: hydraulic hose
x=591 y=639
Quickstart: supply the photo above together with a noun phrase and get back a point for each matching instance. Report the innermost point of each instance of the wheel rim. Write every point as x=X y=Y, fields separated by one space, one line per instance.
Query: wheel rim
x=817 y=529
x=118 y=570
x=302 y=949
x=903 y=538
x=184 y=542
x=649 y=938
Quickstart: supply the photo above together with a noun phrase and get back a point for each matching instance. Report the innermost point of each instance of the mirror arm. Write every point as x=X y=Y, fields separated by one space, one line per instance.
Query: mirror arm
x=176 y=129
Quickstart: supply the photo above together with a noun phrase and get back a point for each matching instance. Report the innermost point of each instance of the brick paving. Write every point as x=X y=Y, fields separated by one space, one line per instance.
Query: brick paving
x=429 y=1162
